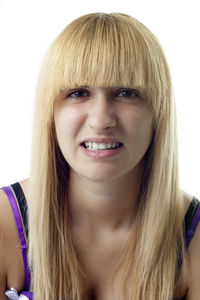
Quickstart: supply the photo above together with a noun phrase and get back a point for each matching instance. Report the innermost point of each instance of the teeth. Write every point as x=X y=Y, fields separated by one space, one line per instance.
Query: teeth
x=100 y=146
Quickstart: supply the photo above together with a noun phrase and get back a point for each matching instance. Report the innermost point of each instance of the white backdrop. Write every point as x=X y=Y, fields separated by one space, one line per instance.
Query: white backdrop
x=27 y=27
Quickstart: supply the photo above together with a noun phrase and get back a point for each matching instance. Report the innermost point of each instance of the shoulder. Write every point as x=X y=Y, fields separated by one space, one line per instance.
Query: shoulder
x=182 y=284
x=193 y=273
x=6 y=223
x=11 y=261
x=5 y=229
x=5 y=211
x=193 y=262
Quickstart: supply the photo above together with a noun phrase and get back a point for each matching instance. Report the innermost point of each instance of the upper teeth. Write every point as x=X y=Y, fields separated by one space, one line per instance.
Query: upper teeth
x=100 y=146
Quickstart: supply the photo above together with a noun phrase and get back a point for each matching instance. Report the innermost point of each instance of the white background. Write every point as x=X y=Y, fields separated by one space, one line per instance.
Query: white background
x=28 y=27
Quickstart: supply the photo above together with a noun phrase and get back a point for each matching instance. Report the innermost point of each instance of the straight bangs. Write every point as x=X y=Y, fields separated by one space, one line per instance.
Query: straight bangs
x=82 y=55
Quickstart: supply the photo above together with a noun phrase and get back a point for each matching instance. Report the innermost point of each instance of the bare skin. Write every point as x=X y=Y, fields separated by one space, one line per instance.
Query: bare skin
x=104 y=252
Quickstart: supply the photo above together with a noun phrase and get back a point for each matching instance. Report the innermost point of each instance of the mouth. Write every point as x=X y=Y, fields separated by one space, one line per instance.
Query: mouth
x=94 y=146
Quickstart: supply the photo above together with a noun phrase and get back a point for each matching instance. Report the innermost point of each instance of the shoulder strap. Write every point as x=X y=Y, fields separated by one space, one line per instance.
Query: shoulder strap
x=191 y=220
x=22 y=205
x=21 y=232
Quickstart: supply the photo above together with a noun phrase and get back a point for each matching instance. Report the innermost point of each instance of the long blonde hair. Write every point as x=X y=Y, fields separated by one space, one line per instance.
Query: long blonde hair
x=105 y=50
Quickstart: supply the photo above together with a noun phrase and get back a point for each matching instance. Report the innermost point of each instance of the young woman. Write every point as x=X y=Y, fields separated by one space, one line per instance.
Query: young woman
x=106 y=216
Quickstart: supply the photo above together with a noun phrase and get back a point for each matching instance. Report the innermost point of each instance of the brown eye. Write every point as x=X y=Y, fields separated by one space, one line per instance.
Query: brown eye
x=127 y=94
x=78 y=94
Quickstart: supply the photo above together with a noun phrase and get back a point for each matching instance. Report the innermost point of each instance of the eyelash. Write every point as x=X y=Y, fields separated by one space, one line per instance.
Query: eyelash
x=78 y=91
x=136 y=94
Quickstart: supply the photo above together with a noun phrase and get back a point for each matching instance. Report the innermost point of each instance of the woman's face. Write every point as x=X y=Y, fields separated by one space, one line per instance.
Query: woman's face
x=103 y=133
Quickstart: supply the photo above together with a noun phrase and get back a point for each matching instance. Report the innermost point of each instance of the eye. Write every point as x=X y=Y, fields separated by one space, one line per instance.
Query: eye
x=128 y=94
x=78 y=94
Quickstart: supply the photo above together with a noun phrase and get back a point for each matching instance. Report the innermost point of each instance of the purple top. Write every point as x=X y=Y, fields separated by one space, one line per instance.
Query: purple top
x=191 y=231
x=26 y=294
x=24 y=246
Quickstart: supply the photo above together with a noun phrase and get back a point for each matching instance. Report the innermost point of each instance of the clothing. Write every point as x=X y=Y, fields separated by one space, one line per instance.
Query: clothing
x=19 y=207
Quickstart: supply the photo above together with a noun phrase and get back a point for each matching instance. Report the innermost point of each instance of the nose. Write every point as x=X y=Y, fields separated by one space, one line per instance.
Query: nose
x=101 y=114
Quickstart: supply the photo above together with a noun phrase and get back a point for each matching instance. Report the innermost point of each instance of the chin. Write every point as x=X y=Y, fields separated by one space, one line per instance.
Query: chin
x=100 y=174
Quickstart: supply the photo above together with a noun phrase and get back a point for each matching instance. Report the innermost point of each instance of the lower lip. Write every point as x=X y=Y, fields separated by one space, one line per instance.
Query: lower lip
x=101 y=153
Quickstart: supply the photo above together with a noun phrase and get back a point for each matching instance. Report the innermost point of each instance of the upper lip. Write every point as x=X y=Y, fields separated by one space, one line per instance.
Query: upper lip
x=101 y=140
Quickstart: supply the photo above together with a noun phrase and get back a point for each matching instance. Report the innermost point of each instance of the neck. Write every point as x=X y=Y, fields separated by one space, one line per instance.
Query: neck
x=109 y=205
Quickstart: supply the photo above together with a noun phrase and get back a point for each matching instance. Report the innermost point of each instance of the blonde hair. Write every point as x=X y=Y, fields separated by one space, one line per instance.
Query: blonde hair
x=105 y=50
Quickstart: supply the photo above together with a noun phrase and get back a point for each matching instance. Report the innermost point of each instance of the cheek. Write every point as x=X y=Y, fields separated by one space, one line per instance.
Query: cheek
x=145 y=129
x=67 y=124
x=141 y=129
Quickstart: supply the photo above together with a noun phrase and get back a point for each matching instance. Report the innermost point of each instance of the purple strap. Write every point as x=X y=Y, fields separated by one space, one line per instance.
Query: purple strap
x=189 y=235
x=23 y=244
x=193 y=227
x=29 y=295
